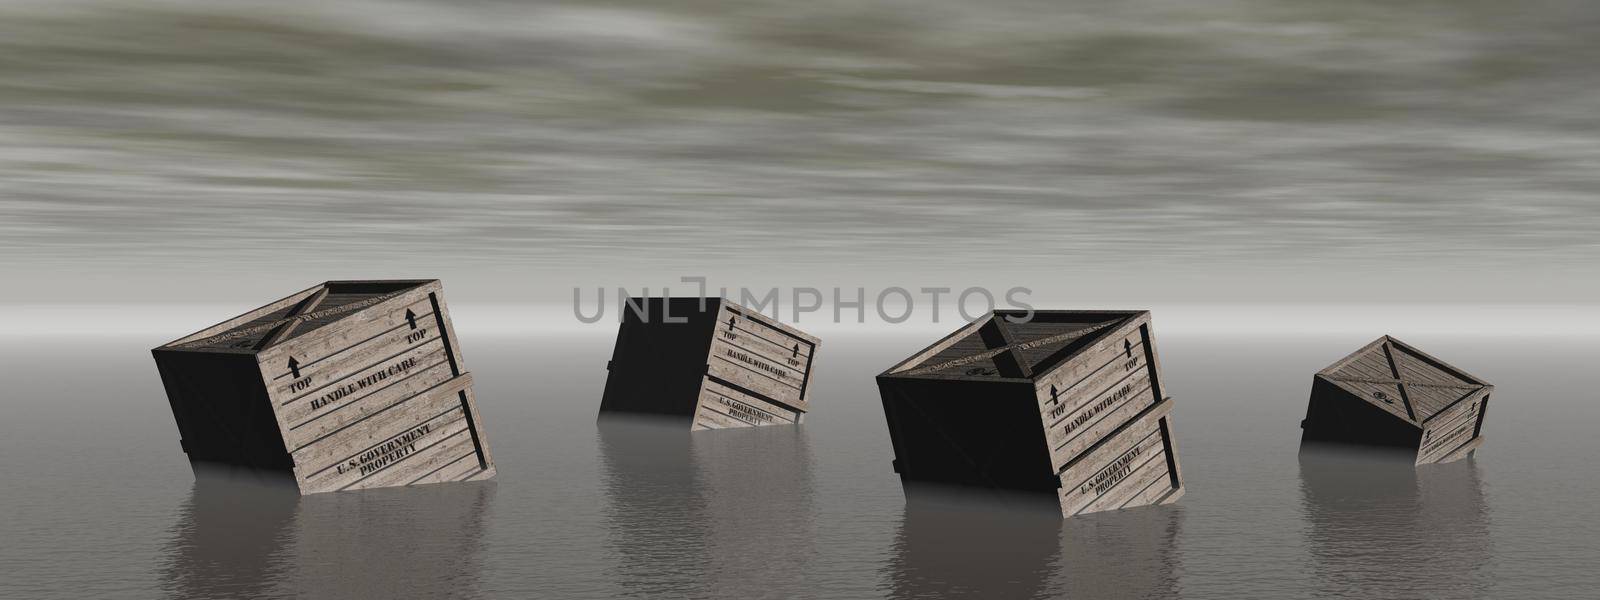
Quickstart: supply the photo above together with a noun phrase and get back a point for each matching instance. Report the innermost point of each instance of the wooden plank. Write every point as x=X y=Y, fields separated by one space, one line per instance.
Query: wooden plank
x=999 y=354
x=287 y=329
x=1126 y=341
x=748 y=341
x=1363 y=352
x=756 y=322
x=1464 y=451
x=441 y=318
x=457 y=469
x=1055 y=403
x=721 y=407
x=1445 y=442
x=1066 y=445
x=1456 y=411
x=771 y=359
x=764 y=339
x=1152 y=474
x=317 y=453
x=225 y=326
x=381 y=374
x=1405 y=396
x=318 y=317
x=366 y=336
x=1434 y=362
x=1110 y=468
x=424 y=460
x=475 y=420
x=742 y=370
x=351 y=329
x=355 y=410
x=396 y=448
x=957 y=336
x=373 y=351
x=1454 y=428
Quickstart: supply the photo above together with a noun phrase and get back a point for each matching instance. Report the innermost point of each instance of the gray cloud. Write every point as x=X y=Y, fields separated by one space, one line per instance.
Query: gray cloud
x=162 y=139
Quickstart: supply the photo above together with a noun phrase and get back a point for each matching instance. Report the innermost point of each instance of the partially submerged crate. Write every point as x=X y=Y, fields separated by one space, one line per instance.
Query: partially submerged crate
x=1068 y=403
x=709 y=360
x=346 y=385
x=1391 y=394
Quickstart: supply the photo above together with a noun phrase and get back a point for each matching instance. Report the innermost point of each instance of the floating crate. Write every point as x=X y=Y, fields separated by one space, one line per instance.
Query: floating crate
x=1068 y=403
x=1390 y=394
x=346 y=385
x=710 y=360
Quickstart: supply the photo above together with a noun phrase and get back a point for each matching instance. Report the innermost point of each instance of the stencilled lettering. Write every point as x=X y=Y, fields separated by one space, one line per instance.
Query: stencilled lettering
x=1112 y=474
x=756 y=364
x=745 y=412
x=1089 y=413
x=394 y=370
x=385 y=454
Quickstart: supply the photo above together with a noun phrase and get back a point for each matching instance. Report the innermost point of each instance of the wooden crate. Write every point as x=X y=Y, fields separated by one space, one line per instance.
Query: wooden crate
x=1390 y=394
x=722 y=366
x=1069 y=403
x=346 y=385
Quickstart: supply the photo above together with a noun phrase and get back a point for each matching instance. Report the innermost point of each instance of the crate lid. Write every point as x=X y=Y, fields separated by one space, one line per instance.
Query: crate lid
x=296 y=315
x=999 y=348
x=1402 y=379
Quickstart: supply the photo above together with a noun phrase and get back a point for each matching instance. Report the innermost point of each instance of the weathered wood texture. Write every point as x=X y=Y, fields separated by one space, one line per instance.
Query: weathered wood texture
x=1068 y=403
x=711 y=361
x=1390 y=394
x=348 y=385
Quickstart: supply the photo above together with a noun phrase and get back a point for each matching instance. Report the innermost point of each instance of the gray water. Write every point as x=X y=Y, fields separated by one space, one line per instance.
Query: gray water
x=100 y=502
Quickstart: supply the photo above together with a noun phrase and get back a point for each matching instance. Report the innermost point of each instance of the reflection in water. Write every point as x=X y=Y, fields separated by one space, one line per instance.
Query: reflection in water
x=240 y=537
x=954 y=544
x=228 y=536
x=1131 y=553
x=726 y=513
x=1381 y=527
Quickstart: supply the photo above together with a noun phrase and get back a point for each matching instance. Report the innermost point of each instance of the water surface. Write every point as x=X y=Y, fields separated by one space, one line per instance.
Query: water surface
x=102 y=504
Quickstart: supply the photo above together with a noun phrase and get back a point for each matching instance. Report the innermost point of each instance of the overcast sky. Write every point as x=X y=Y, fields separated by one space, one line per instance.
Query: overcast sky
x=1138 y=152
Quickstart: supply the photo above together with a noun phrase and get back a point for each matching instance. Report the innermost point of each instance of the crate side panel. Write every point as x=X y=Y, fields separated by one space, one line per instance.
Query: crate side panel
x=1451 y=429
x=723 y=407
x=978 y=433
x=1134 y=466
x=1097 y=392
x=657 y=367
x=754 y=353
x=222 y=409
x=1334 y=415
x=400 y=446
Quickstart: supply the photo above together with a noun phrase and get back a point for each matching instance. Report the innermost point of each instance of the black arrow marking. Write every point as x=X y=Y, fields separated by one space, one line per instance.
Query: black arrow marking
x=1127 y=347
x=294 y=367
x=411 y=318
x=796 y=352
x=730 y=322
x=1053 y=394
